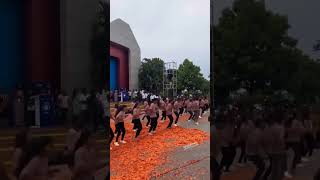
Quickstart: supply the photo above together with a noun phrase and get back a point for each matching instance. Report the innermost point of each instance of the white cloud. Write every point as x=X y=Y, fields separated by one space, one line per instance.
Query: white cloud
x=169 y=29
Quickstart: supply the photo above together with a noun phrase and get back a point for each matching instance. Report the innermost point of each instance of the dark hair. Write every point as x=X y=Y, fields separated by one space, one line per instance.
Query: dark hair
x=156 y=101
x=84 y=137
x=119 y=109
x=135 y=105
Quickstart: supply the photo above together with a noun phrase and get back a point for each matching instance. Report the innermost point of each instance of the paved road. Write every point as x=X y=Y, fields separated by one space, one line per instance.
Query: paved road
x=189 y=162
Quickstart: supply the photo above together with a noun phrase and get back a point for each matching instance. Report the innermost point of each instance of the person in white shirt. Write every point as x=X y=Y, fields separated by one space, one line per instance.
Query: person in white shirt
x=130 y=95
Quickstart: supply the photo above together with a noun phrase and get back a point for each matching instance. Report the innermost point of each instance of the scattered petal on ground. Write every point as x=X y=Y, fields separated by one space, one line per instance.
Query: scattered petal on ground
x=137 y=160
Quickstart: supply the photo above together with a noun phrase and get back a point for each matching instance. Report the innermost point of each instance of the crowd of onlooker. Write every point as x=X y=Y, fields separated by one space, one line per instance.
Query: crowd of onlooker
x=82 y=105
x=123 y=95
x=82 y=112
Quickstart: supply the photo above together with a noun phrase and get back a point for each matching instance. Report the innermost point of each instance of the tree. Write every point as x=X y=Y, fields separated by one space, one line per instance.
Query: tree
x=252 y=45
x=190 y=78
x=100 y=46
x=316 y=47
x=150 y=74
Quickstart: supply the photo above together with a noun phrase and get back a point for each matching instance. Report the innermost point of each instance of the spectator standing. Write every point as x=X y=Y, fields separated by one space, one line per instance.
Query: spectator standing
x=76 y=109
x=130 y=95
x=18 y=107
x=63 y=100
x=84 y=97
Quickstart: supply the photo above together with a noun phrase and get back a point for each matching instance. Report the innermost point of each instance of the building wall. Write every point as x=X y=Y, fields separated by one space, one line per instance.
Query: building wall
x=121 y=53
x=77 y=18
x=43 y=44
x=121 y=33
x=11 y=44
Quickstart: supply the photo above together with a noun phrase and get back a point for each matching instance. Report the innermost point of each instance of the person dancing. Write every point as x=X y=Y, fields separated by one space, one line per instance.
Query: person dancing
x=109 y=116
x=120 y=128
x=254 y=149
x=189 y=109
x=153 y=116
x=294 y=131
x=163 y=109
x=202 y=107
x=147 y=112
x=196 y=110
x=181 y=106
x=228 y=149
x=169 y=109
x=308 y=136
x=244 y=130
x=157 y=108
x=136 y=120
x=185 y=105
x=177 y=110
x=111 y=136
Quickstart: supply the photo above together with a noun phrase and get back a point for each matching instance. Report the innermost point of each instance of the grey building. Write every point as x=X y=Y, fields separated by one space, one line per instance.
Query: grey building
x=125 y=56
x=76 y=28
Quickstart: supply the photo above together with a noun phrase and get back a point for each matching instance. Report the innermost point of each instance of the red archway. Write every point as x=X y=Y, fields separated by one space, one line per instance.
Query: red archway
x=121 y=53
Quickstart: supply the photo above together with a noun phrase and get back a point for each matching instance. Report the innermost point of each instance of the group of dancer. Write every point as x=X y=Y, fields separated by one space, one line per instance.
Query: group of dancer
x=263 y=137
x=150 y=110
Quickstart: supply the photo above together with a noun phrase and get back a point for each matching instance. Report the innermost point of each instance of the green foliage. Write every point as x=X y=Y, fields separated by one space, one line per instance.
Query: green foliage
x=191 y=79
x=150 y=74
x=189 y=76
x=99 y=47
x=252 y=44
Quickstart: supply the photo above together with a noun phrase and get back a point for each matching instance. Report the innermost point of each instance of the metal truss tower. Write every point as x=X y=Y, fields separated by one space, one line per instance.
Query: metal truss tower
x=170 y=79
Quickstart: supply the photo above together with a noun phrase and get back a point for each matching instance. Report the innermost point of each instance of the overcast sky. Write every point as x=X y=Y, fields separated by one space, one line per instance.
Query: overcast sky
x=302 y=17
x=172 y=30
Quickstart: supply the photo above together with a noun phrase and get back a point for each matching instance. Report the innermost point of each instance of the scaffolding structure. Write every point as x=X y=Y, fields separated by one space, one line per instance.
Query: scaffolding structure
x=170 y=79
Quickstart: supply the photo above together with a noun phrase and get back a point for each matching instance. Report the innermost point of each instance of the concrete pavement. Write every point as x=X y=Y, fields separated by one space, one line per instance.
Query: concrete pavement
x=191 y=161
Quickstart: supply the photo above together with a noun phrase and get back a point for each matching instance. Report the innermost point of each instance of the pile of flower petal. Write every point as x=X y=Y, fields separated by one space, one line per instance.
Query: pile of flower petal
x=136 y=160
